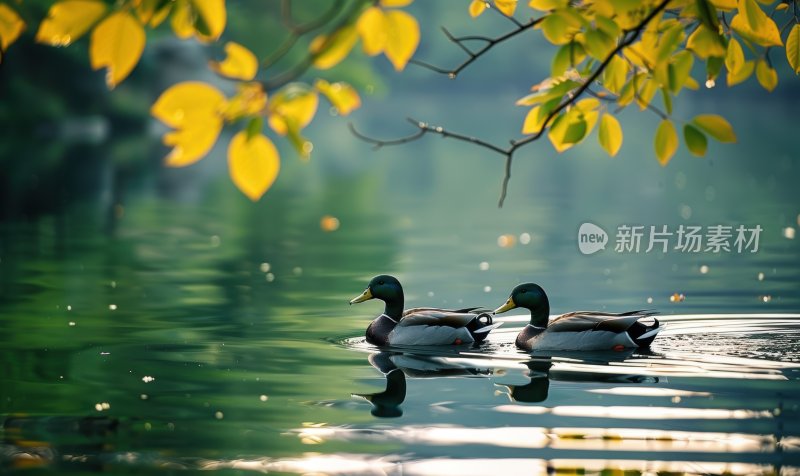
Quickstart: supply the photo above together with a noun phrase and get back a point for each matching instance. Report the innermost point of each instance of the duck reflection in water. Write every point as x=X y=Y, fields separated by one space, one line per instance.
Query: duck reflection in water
x=395 y=366
x=541 y=372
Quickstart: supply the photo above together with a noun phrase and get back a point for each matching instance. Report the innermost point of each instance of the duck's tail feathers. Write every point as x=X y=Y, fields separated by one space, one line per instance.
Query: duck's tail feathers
x=646 y=338
x=487 y=328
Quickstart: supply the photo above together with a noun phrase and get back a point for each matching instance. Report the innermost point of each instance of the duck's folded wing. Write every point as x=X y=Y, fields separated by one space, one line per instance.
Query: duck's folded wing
x=436 y=317
x=468 y=310
x=596 y=321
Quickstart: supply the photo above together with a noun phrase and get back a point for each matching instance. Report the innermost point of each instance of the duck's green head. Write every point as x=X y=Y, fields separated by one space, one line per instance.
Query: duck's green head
x=384 y=287
x=529 y=296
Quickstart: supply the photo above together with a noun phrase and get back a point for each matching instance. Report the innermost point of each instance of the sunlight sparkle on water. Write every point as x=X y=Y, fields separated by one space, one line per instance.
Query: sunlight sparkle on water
x=112 y=307
x=264 y=267
x=506 y=241
x=484 y=266
x=270 y=277
x=329 y=223
x=525 y=238
x=788 y=233
x=147 y=379
x=761 y=276
x=704 y=269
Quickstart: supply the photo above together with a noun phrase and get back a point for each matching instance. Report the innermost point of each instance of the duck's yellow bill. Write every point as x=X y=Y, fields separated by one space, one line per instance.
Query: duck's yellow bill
x=365 y=296
x=509 y=305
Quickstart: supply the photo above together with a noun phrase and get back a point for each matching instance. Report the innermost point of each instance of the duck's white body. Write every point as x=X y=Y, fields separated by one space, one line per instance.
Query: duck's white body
x=590 y=331
x=427 y=326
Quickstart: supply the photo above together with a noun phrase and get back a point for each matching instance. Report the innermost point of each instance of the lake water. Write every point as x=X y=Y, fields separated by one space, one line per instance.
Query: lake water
x=188 y=337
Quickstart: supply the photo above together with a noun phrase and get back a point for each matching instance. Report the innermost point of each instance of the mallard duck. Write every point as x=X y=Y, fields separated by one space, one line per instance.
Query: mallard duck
x=581 y=330
x=421 y=325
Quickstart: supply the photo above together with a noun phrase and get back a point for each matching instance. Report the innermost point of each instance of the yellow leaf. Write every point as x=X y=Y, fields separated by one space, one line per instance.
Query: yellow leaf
x=752 y=23
x=742 y=74
x=567 y=130
x=547 y=5
x=292 y=108
x=210 y=19
x=371 y=26
x=205 y=19
x=666 y=142
x=506 y=6
x=610 y=134
x=193 y=141
x=330 y=51
x=734 y=58
x=476 y=7
x=117 y=44
x=184 y=102
x=793 y=48
x=152 y=12
x=724 y=5
x=194 y=109
x=253 y=164
x=182 y=19
x=11 y=25
x=249 y=100
x=402 y=38
x=534 y=121
x=240 y=63
x=343 y=97
x=704 y=43
x=556 y=29
x=395 y=3
x=715 y=126
x=615 y=74
x=68 y=20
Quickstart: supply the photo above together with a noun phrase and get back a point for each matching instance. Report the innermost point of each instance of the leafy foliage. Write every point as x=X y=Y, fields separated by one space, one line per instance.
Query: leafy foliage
x=611 y=54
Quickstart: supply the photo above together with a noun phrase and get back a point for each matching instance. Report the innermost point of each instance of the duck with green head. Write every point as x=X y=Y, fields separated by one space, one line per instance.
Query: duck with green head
x=421 y=325
x=581 y=330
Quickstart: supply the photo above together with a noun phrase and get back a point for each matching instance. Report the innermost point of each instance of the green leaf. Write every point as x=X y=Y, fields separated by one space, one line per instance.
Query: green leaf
x=707 y=14
x=254 y=127
x=666 y=142
x=568 y=56
x=679 y=70
x=715 y=126
x=793 y=48
x=598 y=43
x=667 y=100
x=706 y=43
x=556 y=29
x=669 y=41
x=567 y=130
x=610 y=134
x=713 y=67
x=695 y=140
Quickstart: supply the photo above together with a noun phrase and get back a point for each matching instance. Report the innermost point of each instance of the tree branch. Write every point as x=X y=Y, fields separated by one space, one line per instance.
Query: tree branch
x=302 y=66
x=629 y=37
x=474 y=55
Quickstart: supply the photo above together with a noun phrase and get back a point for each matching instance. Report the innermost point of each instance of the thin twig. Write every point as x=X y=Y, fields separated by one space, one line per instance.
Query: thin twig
x=629 y=37
x=302 y=66
x=474 y=55
x=298 y=30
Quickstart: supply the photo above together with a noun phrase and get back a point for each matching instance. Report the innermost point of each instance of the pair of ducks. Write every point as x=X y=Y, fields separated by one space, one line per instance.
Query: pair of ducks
x=581 y=330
